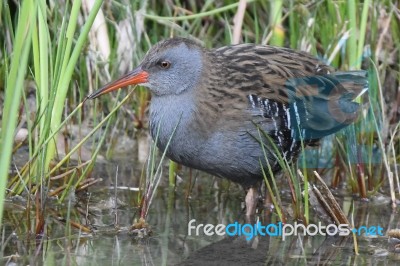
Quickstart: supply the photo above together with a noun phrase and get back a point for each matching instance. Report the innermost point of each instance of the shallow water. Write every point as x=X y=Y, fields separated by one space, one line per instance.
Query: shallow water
x=211 y=200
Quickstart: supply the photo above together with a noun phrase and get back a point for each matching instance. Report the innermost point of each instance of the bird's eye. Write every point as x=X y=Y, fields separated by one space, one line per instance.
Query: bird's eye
x=165 y=64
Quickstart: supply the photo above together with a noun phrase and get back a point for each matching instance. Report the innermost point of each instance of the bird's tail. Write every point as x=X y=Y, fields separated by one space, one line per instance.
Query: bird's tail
x=355 y=81
x=322 y=105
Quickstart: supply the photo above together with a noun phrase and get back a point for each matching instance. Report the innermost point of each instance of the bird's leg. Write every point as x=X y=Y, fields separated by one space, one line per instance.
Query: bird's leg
x=251 y=200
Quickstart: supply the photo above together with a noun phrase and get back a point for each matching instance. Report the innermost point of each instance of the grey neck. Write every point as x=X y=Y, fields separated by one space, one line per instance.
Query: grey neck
x=172 y=115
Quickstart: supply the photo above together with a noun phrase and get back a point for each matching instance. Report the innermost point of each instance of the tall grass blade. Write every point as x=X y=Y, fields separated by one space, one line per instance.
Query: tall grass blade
x=14 y=88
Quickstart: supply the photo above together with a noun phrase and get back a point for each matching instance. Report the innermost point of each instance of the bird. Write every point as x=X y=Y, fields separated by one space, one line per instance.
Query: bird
x=235 y=111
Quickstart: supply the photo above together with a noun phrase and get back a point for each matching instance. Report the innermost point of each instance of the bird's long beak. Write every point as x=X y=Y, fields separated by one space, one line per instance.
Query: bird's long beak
x=136 y=76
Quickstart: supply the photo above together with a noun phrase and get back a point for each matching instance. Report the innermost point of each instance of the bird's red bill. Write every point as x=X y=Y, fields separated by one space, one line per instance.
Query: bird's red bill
x=137 y=76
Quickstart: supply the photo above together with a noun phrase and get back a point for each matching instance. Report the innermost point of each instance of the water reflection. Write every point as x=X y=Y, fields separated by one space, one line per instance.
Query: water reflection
x=110 y=212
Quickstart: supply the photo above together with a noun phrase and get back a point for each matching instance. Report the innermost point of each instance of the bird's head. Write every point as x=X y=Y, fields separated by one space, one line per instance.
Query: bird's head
x=171 y=67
